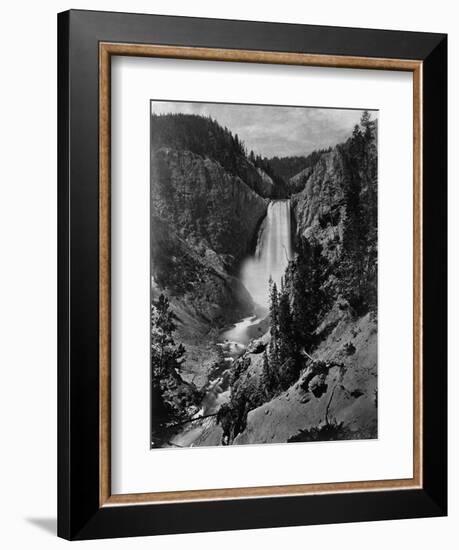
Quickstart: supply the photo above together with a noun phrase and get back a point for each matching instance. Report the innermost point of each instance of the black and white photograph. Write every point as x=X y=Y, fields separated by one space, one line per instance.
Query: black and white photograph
x=264 y=266
x=229 y=262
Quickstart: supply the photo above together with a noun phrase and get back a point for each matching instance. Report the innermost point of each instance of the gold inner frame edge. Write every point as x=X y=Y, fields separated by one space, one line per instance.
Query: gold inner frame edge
x=106 y=51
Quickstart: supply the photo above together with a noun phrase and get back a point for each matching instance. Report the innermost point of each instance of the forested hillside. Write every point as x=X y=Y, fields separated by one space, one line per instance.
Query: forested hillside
x=287 y=167
x=207 y=139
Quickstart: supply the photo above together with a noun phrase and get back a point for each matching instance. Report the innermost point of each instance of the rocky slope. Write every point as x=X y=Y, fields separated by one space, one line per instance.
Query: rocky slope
x=343 y=396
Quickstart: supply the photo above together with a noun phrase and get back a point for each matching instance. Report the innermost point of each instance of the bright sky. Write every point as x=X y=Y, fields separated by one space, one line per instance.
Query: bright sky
x=275 y=131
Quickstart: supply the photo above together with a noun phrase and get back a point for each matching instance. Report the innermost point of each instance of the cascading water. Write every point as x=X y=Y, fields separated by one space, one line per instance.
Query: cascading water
x=273 y=252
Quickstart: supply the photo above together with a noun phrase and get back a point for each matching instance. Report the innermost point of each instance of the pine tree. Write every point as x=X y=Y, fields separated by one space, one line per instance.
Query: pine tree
x=166 y=356
x=308 y=300
x=286 y=341
x=273 y=309
x=274 y=362
x=357 y=145
x=367 y=125
x=269 y=377
x=300 y=275
x=274 y=365
x=359 y=259
x=356 y=132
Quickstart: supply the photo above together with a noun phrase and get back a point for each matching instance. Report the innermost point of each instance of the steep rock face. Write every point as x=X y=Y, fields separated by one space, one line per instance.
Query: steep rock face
x=266 y=186
x=206 y=290
x=297 y=182
x=319 y=207
x=215 y=212
x=256 y=178
x=204 y=221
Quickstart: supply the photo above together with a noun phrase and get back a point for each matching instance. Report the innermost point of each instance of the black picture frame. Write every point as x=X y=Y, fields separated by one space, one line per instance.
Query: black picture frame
x=80 y=515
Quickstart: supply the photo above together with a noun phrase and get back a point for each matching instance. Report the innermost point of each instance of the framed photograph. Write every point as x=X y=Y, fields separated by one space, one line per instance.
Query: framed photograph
x=252 y=274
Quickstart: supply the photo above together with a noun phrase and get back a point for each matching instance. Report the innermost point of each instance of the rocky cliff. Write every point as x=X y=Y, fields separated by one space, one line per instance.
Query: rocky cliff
x=204 y=221
x=319 y=207
x=215 y=212
x=297 y=182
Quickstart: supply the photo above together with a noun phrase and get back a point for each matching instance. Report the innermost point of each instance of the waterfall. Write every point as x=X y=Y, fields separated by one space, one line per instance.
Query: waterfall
x=272 y=254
